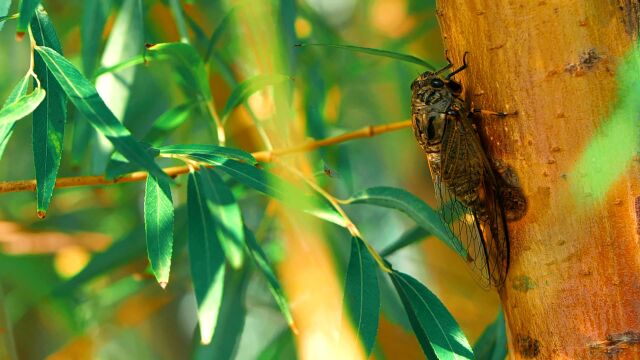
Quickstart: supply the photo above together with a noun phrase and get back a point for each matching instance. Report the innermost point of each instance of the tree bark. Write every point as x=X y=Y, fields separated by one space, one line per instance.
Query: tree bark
x=573 y=289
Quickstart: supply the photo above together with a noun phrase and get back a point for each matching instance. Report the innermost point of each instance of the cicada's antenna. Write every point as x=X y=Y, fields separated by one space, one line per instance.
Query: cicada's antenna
x=464 y=66
x=449 y=65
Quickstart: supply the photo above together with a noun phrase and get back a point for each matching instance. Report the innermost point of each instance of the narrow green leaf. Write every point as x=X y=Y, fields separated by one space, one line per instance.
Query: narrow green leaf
x=178 y=14
x=125 y=64
x=262 y=262
x=414 y=207
x=205 y=150
x=84 y=96
x=169 y=121
x=275 y=187
x=4 y=10
x=217 y=33
x=230 y=324
x=377 y=52
x=49 y=117
x=227 y=218
x=492 y=344
x=18 y=91
x=27 y=8
x=94 y=17
x=24 y=106
x=437 y=331
x=158 y=225
x=206 y=257
x=188 y=64
x=410 y=237
x=362 y=294
x=247 y=88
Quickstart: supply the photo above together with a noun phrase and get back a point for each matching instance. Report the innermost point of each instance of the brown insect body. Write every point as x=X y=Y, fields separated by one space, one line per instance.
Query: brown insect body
x=462 y=173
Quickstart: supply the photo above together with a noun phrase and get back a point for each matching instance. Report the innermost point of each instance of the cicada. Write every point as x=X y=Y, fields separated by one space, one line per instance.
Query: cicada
x=465 y=181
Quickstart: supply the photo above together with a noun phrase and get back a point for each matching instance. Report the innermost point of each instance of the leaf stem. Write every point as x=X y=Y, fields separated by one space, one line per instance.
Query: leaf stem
x=222 y=139
x=264 y=156
x=32 y=60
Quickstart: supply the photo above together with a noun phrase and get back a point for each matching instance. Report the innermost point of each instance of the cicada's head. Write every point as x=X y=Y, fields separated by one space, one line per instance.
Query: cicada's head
x=434 y=92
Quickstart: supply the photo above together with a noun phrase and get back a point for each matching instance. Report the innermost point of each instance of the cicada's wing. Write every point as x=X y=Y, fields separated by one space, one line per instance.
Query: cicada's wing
x=465 y=231
x=467 y=183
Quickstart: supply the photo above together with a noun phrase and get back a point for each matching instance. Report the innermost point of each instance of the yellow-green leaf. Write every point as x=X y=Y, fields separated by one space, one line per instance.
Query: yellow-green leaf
x=158 y=224
x=23 y=106
x=7 y=130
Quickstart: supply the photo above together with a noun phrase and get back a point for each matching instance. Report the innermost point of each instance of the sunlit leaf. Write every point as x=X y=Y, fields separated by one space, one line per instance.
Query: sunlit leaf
x=18 y=91
x=233 y=312
x=84 y=96
x=362 y=294
x=94 y=18
x=205 y=150
x=206 y=257
x=377 y=52
x=227 y=218
x=158 y=224
x=262 y=262
x=414 y=207
x=435 y=328
x=49 y=117
x=410 y=237
x=27 y=9
x=22 y=107
x=247 y=88
x=492 y=344
x=126 y=40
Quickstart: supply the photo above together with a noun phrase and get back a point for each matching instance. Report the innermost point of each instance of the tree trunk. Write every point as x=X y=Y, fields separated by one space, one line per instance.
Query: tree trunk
x=573 y=289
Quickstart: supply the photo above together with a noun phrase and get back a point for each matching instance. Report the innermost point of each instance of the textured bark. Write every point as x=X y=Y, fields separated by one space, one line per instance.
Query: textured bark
x=573 y=289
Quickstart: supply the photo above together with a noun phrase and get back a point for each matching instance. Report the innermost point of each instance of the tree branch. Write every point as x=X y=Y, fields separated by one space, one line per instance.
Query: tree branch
x=264 y=156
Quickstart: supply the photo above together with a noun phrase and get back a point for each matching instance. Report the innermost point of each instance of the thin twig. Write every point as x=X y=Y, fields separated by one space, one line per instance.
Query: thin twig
x=263 y=156
x=351 y=226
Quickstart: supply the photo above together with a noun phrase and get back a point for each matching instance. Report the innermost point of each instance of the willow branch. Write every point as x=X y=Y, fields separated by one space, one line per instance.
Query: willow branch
x=263 y=156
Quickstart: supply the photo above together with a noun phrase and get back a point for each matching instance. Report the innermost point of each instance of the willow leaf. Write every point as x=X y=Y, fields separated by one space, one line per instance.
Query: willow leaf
x=86 y=99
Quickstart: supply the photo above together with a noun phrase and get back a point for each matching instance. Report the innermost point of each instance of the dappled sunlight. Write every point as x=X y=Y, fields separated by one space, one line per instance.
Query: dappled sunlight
x=616 y=143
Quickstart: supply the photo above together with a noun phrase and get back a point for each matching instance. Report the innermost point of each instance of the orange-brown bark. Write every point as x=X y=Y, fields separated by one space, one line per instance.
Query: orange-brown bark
x=573 y=289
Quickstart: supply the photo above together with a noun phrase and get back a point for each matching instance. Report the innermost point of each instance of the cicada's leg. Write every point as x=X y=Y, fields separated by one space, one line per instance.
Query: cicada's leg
x=493 y=113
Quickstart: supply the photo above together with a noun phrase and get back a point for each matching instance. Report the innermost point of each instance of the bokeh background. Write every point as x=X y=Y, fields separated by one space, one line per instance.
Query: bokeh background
x=77 y=285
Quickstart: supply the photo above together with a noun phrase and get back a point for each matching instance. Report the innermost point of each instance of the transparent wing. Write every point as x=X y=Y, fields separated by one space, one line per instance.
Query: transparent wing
x=467 y=189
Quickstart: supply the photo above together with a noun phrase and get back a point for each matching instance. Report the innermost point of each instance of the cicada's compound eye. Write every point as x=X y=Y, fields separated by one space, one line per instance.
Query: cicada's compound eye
x=437 y=83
